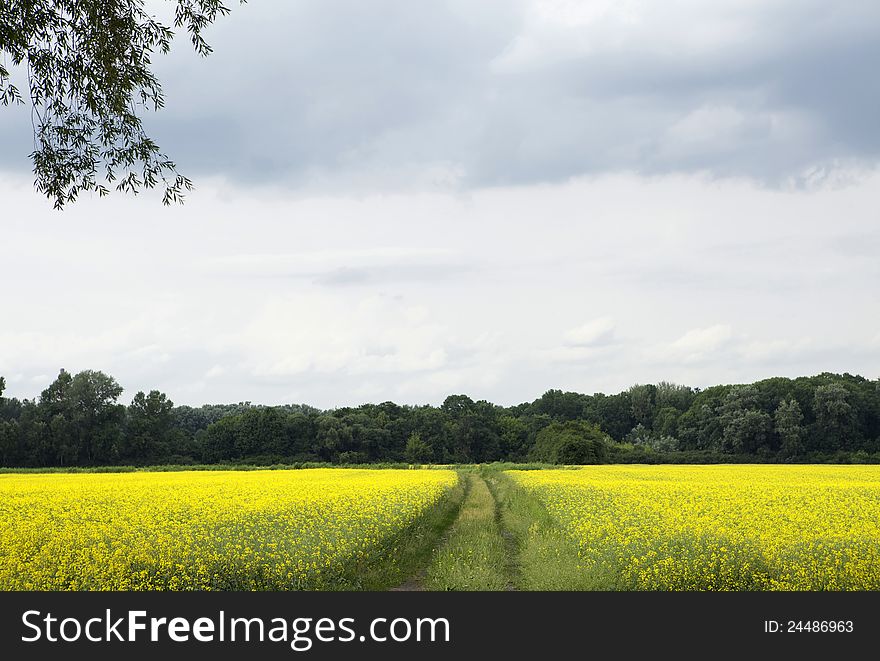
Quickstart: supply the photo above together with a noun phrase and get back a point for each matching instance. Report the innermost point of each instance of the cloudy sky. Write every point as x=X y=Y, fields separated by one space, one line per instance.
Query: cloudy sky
x=401 y=200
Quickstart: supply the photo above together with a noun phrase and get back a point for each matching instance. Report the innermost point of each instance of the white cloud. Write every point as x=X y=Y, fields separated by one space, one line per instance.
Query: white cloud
x=569 y=355
x=700 y=343
x=593 y=333
x=698 y=281
x=776 y=350
x=311 y=333
x=275 y=264
x=214 y=372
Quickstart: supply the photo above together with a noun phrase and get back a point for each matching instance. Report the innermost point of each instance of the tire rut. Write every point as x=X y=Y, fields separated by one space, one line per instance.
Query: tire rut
x=416 y=582
x=511 y=545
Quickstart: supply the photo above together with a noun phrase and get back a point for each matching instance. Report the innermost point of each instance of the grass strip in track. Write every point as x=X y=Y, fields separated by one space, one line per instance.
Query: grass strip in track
x=474 y=555
x=548 y=557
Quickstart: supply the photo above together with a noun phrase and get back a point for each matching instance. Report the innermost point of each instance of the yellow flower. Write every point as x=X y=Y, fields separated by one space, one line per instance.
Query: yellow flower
x=202 y=530
x=720 y=527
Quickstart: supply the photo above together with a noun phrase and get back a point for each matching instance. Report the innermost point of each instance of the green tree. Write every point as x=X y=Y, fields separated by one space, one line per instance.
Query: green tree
x=666 y=421
x=84 y=412
x=8 y=442
x=672 y=394
x=473 y=429
x=417 y=451
x=332 y=437
x=218 y=440
x=788 y=419
x=643 y=400
x=149 y=425
x=513 y=438
x=88 y=68
x=63 y=442
x=748 y=431
x=746 y=428
x=641 y=435
x=835 y=417
x=572 y=442
x=457 y=406
x=613 y=413
x=97 y=415
x=55 y=399
x=435 y=430
x=560 y=405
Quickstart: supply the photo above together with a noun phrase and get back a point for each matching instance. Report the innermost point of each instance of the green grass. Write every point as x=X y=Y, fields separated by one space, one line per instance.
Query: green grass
x=547 y=557
x=406 y=552
x=474 y=556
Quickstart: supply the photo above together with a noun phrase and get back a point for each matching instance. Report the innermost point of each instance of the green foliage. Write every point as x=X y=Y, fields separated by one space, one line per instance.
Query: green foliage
x=675 y=396
x=657 y=441
x=746 y=427
x=643 y=401
x=612 y=413
x=417 y=451
x=788 y=419
x=149 y=426
x=78 y=421
x=835 y=417
x=514 y=437
x=666 y=421
x=88 y=66
x=570 y=442
x=560 y=405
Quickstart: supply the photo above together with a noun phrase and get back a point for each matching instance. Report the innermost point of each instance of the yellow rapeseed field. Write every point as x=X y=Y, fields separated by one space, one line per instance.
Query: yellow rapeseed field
x=718 y=527
x=248 y=530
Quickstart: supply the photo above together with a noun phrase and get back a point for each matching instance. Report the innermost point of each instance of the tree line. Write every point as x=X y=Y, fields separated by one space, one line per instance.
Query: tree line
x=78 y=420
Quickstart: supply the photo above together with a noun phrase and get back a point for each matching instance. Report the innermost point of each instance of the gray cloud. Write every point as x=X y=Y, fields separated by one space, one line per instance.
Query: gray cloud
x=493 y=197
x=346 y=95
